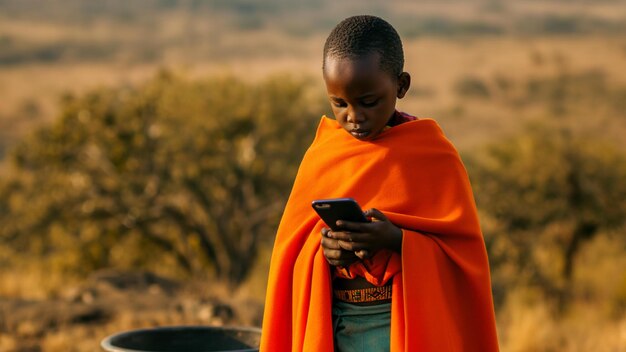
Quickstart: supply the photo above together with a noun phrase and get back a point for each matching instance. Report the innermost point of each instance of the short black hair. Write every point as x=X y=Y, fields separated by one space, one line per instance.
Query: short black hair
x=359 y=36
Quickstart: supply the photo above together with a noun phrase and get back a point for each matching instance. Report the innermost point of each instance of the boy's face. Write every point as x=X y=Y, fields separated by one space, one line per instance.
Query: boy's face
x=362 y=95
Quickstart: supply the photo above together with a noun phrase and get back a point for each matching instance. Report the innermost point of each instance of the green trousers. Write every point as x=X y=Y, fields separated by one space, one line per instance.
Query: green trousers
x=361 y=328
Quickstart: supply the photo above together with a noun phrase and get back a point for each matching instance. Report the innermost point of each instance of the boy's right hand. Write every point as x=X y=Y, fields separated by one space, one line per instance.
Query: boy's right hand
x=335 y=255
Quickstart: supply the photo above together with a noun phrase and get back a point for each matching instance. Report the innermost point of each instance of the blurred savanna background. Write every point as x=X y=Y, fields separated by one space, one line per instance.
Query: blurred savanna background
x=147 y=148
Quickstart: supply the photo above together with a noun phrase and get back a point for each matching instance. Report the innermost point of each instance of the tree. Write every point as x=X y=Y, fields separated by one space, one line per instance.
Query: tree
x=544 y=193
x=186 y=174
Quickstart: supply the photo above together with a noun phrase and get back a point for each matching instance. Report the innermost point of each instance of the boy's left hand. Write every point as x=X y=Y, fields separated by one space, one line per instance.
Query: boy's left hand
x=365 y=238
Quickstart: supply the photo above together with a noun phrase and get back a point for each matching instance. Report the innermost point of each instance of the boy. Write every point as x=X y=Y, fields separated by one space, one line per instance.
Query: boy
x=416 y=278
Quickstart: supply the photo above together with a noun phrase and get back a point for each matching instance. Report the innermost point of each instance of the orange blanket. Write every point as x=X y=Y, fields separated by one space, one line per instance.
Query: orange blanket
x=442 y=297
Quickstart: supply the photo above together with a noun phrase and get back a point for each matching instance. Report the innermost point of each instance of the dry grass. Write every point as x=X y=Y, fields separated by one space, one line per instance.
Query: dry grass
x=526 y=327
x=56 y=314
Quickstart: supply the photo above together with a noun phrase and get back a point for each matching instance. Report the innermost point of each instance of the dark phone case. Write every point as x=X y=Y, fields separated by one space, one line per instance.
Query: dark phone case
x=331 y=210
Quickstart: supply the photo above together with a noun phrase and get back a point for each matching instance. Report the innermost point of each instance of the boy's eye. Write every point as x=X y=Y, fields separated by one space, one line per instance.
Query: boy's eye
x=339 y=104
x=370 y=104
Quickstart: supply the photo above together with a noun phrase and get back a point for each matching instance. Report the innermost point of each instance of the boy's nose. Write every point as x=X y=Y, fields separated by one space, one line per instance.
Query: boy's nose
x=355 y=116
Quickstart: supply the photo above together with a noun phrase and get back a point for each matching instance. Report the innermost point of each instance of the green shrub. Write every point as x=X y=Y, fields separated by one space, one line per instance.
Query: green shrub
x=544 y=194
x=174 y=175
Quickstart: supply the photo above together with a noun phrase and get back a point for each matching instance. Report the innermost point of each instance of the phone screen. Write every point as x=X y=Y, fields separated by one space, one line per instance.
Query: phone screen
x=331 y=210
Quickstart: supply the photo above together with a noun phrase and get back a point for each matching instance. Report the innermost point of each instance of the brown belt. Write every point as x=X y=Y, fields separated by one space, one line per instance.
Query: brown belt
x=361 y=295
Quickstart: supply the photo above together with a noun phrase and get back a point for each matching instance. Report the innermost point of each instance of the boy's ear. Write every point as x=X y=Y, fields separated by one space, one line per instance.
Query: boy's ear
x=404 y=82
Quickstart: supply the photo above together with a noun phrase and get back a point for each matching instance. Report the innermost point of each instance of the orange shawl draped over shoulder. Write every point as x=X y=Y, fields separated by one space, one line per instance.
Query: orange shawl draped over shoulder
x=441 y=299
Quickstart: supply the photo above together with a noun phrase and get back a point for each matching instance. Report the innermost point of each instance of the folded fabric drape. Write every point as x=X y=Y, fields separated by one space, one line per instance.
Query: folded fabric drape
x=441 y=294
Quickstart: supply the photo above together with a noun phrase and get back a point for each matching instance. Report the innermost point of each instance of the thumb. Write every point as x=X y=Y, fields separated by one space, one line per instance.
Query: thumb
x=376 y=214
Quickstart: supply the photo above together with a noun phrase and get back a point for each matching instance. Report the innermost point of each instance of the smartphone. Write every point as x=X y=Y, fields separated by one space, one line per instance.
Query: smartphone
x=331 y=210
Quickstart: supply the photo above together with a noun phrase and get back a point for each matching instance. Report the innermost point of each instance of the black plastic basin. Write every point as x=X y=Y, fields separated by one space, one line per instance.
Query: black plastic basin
x=185 y=339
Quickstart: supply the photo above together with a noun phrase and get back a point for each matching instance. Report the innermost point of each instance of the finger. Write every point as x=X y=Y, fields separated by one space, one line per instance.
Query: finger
x=340 y=235
x=350 y=236
x=353 y=246
x=329 y=243
x=325 y=231
x=351 y=226
x=376 y=214
x=336 y=262
x=346 y=258
x=333 y=254
x=363 y=254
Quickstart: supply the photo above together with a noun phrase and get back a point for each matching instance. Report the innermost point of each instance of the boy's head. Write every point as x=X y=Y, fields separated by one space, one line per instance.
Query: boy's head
x=363 y=62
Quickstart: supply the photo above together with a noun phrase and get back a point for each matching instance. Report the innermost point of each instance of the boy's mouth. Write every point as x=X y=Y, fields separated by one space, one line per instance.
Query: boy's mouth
x=359 y=134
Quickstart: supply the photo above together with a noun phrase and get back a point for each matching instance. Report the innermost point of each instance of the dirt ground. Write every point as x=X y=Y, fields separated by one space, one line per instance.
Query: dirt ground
x=110 y=302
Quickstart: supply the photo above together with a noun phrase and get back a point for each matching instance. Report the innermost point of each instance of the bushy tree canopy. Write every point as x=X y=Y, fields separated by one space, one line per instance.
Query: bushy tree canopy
x=174 y=173
x=543 y=194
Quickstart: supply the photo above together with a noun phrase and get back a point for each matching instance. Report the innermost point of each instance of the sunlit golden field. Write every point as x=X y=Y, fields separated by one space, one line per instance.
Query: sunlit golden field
x=436 y=65
x=485 y=70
